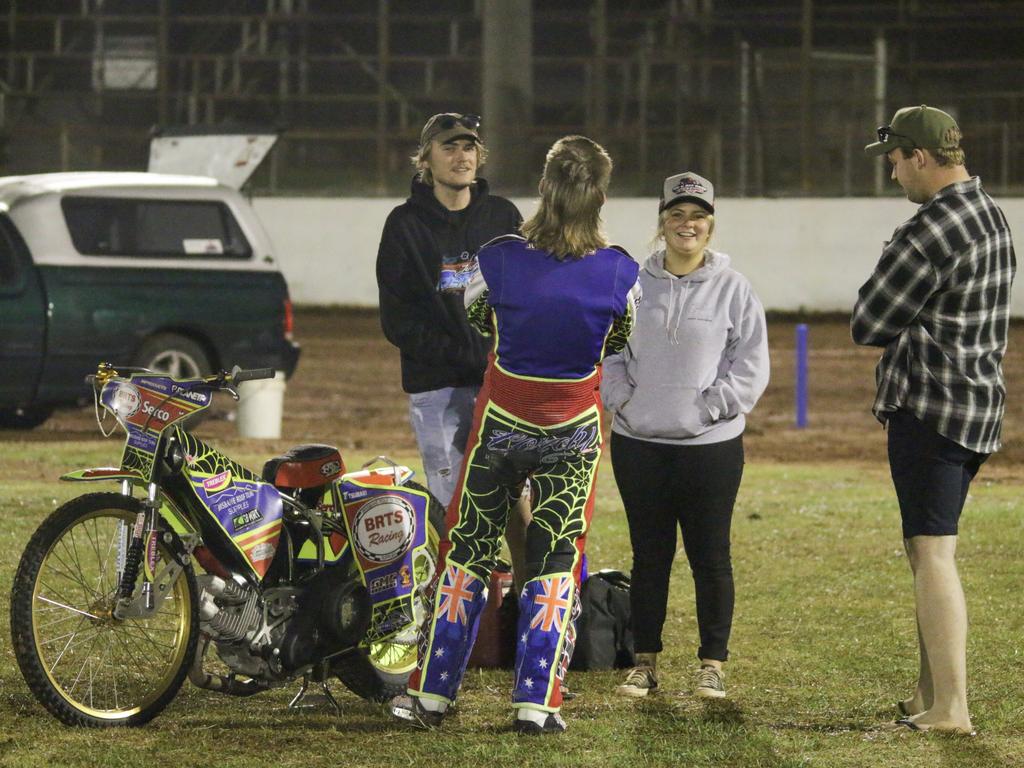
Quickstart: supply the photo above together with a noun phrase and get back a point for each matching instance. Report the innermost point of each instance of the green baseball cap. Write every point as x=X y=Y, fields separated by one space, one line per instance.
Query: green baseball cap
x=920 y=127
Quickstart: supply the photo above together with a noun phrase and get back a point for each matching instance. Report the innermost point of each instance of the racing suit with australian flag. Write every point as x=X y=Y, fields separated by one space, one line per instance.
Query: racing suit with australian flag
x=537 y=416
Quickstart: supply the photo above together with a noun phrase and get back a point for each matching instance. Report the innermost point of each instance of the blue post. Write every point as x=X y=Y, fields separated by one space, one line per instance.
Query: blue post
x=801 y=375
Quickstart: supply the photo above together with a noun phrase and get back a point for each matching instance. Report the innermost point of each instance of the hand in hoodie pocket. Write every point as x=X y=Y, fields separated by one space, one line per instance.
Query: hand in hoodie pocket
x=666 y=411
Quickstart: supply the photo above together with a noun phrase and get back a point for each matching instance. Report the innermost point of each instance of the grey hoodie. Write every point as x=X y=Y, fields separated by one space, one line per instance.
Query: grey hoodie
x=697 y=360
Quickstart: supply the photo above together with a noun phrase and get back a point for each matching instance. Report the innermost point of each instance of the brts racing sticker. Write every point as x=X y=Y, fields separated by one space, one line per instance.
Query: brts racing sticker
x=126 y=401
x=384 y=528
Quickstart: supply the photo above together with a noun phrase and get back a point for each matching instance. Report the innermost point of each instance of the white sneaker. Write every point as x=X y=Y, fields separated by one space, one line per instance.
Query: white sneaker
x=419 y=712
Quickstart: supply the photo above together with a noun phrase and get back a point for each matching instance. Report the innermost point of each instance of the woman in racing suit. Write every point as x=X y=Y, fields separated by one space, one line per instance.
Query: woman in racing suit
x=556 y=300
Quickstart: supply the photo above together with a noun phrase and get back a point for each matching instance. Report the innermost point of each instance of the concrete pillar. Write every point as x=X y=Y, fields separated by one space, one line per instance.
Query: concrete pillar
x=508 y=94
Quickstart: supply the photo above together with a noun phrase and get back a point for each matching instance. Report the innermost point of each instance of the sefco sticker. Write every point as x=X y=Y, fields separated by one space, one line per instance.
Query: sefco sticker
x=384 y=528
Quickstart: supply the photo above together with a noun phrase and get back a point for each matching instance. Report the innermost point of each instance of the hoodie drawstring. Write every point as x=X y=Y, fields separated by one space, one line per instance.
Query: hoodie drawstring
x=671 y=308
x=714 y=263
x=676 y=308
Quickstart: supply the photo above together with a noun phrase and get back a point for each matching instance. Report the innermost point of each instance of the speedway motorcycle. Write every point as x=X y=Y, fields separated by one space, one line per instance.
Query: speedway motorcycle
x=303 y=572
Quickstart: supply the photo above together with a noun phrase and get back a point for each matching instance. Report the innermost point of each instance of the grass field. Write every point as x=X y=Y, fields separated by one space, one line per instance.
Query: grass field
x=823 y=646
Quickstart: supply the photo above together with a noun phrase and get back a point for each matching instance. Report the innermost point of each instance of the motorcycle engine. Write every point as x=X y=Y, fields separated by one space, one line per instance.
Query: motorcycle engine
x=270 y=636
x=244 y=626
x=334 y=613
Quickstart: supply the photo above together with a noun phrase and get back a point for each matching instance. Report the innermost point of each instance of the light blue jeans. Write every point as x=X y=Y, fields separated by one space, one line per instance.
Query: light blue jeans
x=441 y=419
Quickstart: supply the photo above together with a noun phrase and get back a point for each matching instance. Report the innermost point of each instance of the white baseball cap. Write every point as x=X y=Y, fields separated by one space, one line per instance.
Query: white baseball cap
x=687 y=186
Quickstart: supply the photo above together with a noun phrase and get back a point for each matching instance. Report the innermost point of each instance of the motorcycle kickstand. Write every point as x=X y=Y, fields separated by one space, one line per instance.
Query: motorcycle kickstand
x=298 y=700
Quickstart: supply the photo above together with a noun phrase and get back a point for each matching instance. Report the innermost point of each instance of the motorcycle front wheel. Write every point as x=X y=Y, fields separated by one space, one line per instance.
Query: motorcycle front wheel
x=85 y=666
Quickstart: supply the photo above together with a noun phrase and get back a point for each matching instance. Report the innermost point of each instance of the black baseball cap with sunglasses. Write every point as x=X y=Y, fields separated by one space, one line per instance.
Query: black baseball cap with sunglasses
x=448 y=126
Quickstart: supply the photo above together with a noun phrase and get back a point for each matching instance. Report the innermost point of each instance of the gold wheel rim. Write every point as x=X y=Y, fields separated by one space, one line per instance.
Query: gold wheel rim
x=104 y=667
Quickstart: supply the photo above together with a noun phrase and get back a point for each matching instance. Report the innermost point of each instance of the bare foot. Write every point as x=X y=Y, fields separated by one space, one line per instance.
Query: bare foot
x=928 y=722
x=936 y=721
x=910 y=707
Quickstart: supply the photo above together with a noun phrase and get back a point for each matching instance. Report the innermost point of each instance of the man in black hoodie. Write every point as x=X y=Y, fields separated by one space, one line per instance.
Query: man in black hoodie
x=426 y=253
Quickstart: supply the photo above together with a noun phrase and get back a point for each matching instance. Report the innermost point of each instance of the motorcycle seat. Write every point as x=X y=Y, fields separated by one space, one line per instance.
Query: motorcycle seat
x=305 y=466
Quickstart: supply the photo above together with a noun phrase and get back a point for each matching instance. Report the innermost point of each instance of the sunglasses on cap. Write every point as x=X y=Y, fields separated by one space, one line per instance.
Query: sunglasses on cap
x=885 y=132
x=447 y=122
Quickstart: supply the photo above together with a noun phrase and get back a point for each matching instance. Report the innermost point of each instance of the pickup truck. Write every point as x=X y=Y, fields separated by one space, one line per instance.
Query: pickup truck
x=169 y=272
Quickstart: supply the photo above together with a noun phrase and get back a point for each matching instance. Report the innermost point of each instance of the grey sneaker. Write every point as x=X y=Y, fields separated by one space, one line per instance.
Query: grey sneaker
x=710 y=682
x=639 y=682
x=409 y=710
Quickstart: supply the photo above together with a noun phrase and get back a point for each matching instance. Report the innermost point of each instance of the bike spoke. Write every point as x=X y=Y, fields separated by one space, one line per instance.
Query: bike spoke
x=74 y=549
x=54 y=593
x=101 y=561
x=77 y=633
x=81 y=627
x=137 y=658
x=69 y=574
x=62 y=618
x=87 y=656
x=143 y=633
x=71 y=639
x=93 y=540
x=111 y=547
x=67 y=607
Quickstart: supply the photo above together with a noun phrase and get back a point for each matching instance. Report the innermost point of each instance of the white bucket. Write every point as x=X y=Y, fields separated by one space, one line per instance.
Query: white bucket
x=260 y=407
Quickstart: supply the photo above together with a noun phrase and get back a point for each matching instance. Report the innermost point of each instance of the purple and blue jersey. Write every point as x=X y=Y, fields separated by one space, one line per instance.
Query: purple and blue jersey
x=552 y=318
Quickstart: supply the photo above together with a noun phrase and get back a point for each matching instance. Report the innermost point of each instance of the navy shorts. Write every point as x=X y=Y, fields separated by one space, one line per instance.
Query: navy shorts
x=932 y=475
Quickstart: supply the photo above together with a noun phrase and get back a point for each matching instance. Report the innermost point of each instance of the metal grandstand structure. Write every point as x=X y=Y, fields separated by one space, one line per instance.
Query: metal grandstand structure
x=768 y=98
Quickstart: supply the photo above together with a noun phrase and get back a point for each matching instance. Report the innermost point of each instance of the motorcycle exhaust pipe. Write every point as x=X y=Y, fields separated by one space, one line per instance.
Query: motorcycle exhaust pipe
x=200 y=678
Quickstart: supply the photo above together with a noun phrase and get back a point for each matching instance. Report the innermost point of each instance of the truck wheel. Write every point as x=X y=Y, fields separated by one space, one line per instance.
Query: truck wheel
x=174 y=355
x=23 y=418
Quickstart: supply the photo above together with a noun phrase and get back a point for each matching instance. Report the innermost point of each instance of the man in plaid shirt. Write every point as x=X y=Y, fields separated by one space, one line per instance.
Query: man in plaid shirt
x=938 y=303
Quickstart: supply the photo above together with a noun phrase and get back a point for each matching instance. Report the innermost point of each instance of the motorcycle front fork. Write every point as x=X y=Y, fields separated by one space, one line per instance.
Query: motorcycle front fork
x=132 y=547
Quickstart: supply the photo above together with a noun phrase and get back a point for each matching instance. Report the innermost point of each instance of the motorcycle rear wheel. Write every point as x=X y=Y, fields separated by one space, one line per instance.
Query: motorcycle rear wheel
x=380 y=671
x=85 y=666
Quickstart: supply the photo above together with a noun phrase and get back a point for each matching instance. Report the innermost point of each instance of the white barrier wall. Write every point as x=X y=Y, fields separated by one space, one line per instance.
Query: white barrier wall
x=799 y=253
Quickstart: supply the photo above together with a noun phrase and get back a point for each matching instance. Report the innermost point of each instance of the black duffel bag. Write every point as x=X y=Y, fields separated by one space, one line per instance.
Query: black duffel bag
x=604 y=636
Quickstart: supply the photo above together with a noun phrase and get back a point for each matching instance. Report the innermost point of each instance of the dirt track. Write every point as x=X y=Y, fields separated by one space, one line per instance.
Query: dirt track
x=347 y=391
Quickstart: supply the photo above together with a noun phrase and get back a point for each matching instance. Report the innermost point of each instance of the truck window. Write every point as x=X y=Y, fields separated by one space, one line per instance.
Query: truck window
x=112 y=226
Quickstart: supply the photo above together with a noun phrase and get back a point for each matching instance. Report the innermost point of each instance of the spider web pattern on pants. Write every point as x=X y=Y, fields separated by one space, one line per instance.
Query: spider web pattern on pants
x=560 y=462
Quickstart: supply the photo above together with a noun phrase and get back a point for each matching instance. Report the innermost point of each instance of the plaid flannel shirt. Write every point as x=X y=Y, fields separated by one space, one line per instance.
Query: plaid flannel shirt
x=939 y=303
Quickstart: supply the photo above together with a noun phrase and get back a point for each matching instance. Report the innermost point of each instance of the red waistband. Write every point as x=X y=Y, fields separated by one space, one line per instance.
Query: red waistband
x=541 y=402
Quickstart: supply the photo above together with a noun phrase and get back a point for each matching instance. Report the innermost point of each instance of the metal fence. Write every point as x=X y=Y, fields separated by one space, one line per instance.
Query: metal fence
x=765 y=98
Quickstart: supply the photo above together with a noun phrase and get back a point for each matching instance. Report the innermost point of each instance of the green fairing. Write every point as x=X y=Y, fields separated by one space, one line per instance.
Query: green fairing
x=136 y=460
x=175 y=519
x=79 y=476
x=200 y=457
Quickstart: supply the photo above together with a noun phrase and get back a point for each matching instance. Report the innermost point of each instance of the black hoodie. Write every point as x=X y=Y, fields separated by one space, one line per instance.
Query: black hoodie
x=439 y=348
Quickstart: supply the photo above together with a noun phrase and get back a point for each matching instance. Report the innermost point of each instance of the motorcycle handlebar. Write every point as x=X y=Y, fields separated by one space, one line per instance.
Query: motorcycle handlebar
x=238 y=375
x=122 y=370
x=219 y=381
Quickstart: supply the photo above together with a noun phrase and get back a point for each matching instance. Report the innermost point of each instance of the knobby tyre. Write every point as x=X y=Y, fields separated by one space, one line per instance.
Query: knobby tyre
x=83 y=665
x=380 y=671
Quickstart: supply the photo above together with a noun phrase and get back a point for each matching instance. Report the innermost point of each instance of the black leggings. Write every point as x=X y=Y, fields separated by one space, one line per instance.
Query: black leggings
x=695 y=487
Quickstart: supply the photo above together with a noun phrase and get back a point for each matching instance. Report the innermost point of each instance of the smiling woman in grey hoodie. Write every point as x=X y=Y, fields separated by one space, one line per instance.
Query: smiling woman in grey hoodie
x=696 y=364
